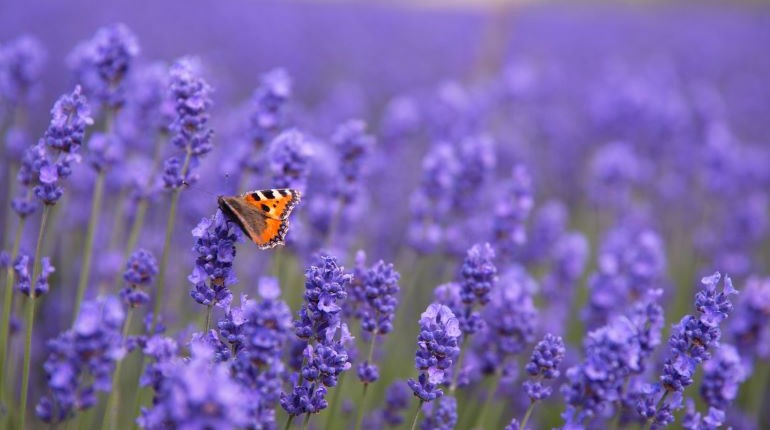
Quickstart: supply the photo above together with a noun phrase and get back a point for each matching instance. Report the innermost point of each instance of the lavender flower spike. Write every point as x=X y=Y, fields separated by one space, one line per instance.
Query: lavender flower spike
x=215 y=239
x=437 y=349
x=544 y=366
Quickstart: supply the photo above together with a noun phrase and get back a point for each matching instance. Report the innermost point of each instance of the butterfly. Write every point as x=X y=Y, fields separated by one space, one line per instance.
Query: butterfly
x=263 y=215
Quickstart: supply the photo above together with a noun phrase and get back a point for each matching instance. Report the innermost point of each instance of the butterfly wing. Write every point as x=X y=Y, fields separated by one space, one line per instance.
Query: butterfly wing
x=274 y=203
x=263 y=231
x=262 y=214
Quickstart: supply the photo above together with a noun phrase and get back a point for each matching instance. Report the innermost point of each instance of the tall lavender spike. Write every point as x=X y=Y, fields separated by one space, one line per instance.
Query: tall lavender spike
x=690 y=343
x=82 y=360
x=213 y=274
x=191 y=132
x=437 y=349
x=327 y=339
x=102 y=63
x=22 y=63
x=195 y=391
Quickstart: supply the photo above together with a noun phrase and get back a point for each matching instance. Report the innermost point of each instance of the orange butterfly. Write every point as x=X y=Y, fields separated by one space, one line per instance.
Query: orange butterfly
x=262 y=214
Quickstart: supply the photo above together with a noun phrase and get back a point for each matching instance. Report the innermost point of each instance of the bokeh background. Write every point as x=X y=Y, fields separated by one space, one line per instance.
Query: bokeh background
x=629 y=117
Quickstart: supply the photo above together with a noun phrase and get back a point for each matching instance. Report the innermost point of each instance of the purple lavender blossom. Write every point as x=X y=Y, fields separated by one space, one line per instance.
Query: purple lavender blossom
x=612 y=353
x=508 y=225
x=191 y=132
x=289 y=159
x=380 y=288
x=162 y=350
x=615 y=170
x=722 y=375
x=83 y=359
x=141 y=269
x=693 y=420
x=24 y=278
x=750 y=329
x=197 y=393
x=442 y=415
x=213 y=274
x=325 y=354
x=569 y=257
x=257 y=333
x=549 y=224
x=50 y=161
x=104 y=151
x=544 y=366
x=326 y=285
x=401 y=118
x=269 y=106
x=510 y=319
x=631 y=265
x=437 y=349
x=22 y=61
x=102 y=63
x=689 y=345
x=352 y=145
x=478 y=162
x=478 y=275
x=268 y=115
x=431 y=202
x=513 y=425
x=396 y=402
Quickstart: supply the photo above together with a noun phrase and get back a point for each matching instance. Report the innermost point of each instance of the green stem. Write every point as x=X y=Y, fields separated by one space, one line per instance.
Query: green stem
x=460 y=359
x=141 y=209
x=31 y=319
x=757 y=389
x=524 y=420
x=85 y=270
x=133 y=237
x=490 y=399
x=362 y=404
x=7 y=305
x=208 y=317
x=167 y=248
x=335 y=399
x=136 y=227
x=288 y=422
x=306 y=422
x=417 y=415
x=113 y=401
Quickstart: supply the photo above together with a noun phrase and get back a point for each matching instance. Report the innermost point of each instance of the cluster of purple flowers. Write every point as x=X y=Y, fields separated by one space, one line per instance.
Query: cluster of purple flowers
x=22 y=62
x=325 y=337
x=437 y=350
x=24 y=278
x=47 y=163
x=140 y=273
x=269 y=113
x=544 y=366
x=257 y=333
x=82 y=360
x=102 y=63
x=213 y=274
x=376 y=292
x=690 y=344
x=352 y=145
x=431 y=202
x=191 y=132
x=195 y=393
x=508 y=228
x=630 y=266
x=521 y=212
x=288 y=157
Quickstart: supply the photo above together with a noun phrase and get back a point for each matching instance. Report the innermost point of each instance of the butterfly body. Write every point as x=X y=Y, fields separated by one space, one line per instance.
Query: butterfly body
x=262 y=214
